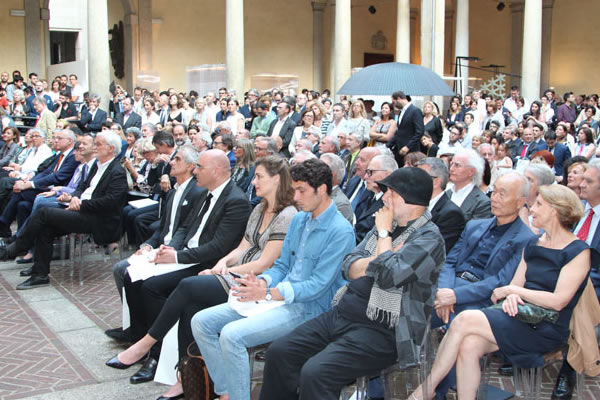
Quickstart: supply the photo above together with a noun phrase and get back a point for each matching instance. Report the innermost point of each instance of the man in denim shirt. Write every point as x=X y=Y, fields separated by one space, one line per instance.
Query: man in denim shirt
x=305 y=277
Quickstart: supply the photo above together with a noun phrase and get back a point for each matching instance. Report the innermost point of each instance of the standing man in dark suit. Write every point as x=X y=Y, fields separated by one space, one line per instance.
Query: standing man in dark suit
x=93 y=208
x=93 y=117
x=128 y=117
x=444 y=213
x=283 y=127
x=560 y=152
x=218 y=225
x=410 y=127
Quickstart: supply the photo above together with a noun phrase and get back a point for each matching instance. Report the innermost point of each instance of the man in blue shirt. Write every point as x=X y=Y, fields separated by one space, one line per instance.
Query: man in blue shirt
x=305 y=277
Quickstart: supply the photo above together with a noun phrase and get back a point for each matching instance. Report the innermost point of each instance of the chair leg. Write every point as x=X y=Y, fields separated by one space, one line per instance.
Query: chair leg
x=580 y=386
x=81 y=241
x=528 y=382
x=362 y=385
x=63 y=249
x=72 y=253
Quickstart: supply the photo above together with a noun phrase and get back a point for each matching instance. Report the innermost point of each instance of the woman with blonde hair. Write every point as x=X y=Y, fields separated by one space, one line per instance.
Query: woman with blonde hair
x=431 y=122
x=320 y=113
x=575 y=176
x=358 y=115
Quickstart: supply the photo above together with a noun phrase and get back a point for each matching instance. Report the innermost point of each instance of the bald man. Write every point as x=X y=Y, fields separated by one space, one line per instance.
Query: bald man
x=356 y=189
x=216 y=227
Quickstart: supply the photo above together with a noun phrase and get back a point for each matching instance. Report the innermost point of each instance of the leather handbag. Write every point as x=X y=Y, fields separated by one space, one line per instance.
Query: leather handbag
x=532 y=314
x=195 y=379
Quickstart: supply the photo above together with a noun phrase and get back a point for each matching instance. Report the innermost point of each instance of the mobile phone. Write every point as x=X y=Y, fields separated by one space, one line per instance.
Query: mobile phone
x=235 y=275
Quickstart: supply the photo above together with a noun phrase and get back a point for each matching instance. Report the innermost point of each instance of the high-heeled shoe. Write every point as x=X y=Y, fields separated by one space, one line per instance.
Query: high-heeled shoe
x=179 y=396
x=115 y=363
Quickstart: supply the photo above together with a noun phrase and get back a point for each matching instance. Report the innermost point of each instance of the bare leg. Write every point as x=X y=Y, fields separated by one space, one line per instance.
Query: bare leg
x=137 y=351
x=465 y=324
x=224 y=397
x=174 y=390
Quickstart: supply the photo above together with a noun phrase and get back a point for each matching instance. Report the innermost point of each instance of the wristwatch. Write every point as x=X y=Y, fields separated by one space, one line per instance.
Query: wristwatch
x=383 y=233
x=268 y=296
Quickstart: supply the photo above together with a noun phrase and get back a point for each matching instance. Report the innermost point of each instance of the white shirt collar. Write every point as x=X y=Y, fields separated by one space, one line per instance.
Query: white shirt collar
x=434 y=201
x=183 y=185
x=217 y=192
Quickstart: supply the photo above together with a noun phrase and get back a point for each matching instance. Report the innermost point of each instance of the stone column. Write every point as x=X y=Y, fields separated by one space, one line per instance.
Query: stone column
x=332 y=51
x=426 y=33
x=130 y=48
x=34 y=47
x=403 y=32
x=343 y=50
x=98 y=55
x=145 y=34
x=532 y=50
x=462 y=43
x=516 y=9
x=234 y=46
x=438 y=36
x=318 y=10
x=546 y=42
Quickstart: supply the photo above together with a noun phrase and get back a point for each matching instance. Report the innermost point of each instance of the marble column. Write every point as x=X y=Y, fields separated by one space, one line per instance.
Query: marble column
x=532 y=50
x=130 y=48
x=516 y=9
x=234 y=46
x=318 y=11
x=427 y=33
x=403 y=32
x=98 y=54
x=546 y=43
x=343 y=50
x=34 y=46
x=438 y=36
x=145 y=34
x=462 y=43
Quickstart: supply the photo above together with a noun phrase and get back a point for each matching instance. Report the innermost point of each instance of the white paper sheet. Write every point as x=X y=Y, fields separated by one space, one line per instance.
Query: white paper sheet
x=250 y=308
x=141 y=267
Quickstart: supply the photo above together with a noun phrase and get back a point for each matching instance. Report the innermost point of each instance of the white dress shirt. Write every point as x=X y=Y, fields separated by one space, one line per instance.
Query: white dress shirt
x=35 y=158
x=179 y=189
x=434 y=201
x=278 y=126
x=459 y=196
x=593 y=226
x=193 y=242
x=87 y=194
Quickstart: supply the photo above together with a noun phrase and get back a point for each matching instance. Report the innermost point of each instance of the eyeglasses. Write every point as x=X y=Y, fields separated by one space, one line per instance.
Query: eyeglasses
x=457 y=165
x=215 y=142
x=370 y=172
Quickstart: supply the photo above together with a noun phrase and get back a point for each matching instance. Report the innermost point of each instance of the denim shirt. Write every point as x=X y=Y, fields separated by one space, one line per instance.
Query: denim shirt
x=309 y=268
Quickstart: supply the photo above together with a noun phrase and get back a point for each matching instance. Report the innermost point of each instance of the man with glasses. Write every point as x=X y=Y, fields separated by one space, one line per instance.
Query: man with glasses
x=466 y=172
x=225 y=144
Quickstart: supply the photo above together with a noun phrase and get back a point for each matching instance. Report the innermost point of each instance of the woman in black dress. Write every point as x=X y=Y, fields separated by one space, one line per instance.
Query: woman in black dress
x=431 y=122
x=552 y=274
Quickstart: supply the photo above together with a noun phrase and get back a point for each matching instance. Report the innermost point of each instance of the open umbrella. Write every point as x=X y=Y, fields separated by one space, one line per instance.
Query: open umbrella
x=384 y=79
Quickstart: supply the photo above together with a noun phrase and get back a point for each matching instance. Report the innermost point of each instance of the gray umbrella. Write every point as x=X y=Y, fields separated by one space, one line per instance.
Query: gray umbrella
x=384 y=79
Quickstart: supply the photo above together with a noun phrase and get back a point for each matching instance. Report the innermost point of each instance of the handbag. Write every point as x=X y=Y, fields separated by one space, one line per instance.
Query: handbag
x=195 y=379
x=532 y=314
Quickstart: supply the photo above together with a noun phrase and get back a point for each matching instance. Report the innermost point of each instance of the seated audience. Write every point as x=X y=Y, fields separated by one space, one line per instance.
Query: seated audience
x=128 y=118
x=466 y=173
x=336 y=165
x=93 y=117
x=245 y=159
x=8 y=151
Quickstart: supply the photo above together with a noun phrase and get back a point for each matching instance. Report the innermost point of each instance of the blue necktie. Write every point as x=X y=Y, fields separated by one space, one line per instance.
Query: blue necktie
x=356 y=198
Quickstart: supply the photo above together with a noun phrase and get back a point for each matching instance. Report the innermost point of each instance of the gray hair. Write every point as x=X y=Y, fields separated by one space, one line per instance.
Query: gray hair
x=94 y=96
x=271 y=144
x=304 y=155
x=335 y=142
x=483 y=145
x=388 y=163
x=525 y=183
x=336 y=164
x=151 y=126
x=19 y=92
x=207 y=138
x=135 y=131
x=70 y=134
x=190 y=154
x=439 y=169
x=595 y=163
x=112 y=139
x=38 y=131
x=356 y=136
x=225 y=125
x=474 y=161
x=40 y=100
x=543 y=174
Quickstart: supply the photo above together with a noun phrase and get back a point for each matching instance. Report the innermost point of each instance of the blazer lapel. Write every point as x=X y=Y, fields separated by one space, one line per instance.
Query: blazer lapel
x=181 y=201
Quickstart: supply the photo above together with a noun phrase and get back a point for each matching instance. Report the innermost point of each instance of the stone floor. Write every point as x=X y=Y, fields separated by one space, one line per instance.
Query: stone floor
x=52 y=344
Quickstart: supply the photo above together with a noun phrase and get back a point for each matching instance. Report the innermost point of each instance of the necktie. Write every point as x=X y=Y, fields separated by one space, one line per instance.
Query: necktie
x=60 y=157
x=356 y=198
x=205 y=207
x=585 y=228
x=84 y=172
x=524 y=151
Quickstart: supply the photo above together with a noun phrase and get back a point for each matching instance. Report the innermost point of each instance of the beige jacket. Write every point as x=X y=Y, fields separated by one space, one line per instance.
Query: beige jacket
x=584 y=355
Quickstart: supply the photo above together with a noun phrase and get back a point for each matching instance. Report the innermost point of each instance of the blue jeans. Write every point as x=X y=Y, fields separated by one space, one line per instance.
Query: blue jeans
x=226 y=355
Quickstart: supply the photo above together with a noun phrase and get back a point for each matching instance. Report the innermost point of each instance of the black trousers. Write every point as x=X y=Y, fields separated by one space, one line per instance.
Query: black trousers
x=46 y=224
x=192 y=294
x=147 y=298
x=323 y=355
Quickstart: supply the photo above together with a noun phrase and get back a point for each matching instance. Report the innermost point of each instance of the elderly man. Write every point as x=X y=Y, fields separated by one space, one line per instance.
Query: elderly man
x=329 y=144
x=444 y=213
x=528 y=145
x=46 y=120
x=466 y=172
x=380 y=317
x=484 y=258
x=356 y=187
x=93 y=208
x=379 y=168
x=353 y=143
x=337 y=170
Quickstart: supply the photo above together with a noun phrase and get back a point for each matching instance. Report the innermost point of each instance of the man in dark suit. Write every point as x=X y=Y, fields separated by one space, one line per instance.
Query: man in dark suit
x=57 y=173
x=218 y=225
x=444 y=213
x=93 y=208
x=528 y=145
x=128 y=118
x=485 y=257
x=410 y=127
x=93 y=117
x=466 y=172
x=283 y=127
x=560 y=152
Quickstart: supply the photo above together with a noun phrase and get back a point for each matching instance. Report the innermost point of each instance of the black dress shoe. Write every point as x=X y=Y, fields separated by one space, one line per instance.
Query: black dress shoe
x=23 y=260
x=563 y=390
x=179 y=396
x=34 y=281
x=27 y=272
x=115 y=363
x=3 y=253
x=119 y=335
x=506 y=369
x=146 y=373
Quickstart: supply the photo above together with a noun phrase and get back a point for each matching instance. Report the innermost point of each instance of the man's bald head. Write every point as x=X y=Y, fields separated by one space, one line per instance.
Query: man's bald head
x=364 y=158
x=212 y=169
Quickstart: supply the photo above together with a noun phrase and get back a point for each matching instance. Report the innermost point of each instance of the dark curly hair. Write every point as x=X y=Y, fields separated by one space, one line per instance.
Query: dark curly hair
x=314 y=172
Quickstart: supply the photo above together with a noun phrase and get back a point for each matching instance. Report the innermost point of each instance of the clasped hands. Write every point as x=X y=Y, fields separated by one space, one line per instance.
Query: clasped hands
x=511 y=299
x=444 y=302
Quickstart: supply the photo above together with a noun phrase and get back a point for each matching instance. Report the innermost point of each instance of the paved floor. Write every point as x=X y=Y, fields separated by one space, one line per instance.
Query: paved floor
x=52 y=344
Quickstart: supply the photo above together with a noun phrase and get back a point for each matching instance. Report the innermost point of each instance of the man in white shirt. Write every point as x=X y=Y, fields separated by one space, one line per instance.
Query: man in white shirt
x=76 y=89
x=339 y=122
x=453 y=144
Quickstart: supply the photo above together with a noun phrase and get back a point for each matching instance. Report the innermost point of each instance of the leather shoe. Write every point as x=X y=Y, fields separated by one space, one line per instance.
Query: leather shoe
x=27 y=272
x=119 y=335
x=23 y=260
x=179 y=396
x=563 y=390
x=506 y=369
x=34 y=281
x=146 y=373
x=115 y=363
x=3 y=253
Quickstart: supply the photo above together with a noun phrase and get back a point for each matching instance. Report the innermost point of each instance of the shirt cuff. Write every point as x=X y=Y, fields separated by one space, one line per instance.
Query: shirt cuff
x=287 y=291
x=33 y=185
x=267 y=279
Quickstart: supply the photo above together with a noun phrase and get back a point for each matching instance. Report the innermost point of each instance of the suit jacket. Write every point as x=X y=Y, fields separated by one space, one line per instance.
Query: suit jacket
x=365 y=220
x=187 y=203
x=92 y=125
x=409 y=131
x=47 y=124
x=59 y=178
x=476 y=205
x=561 y=154
x=286 y=133
x=108 y=198
x=133 y=120
x=500 y=267
x=222 y=231
x=531 y=150
x=351 y=186
x=162 y=168
x=450 y=220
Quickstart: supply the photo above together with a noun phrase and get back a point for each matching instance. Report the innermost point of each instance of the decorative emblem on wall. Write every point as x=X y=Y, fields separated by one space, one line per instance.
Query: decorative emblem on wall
x=117 y=51
x=378 y=41
x=496 y=86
